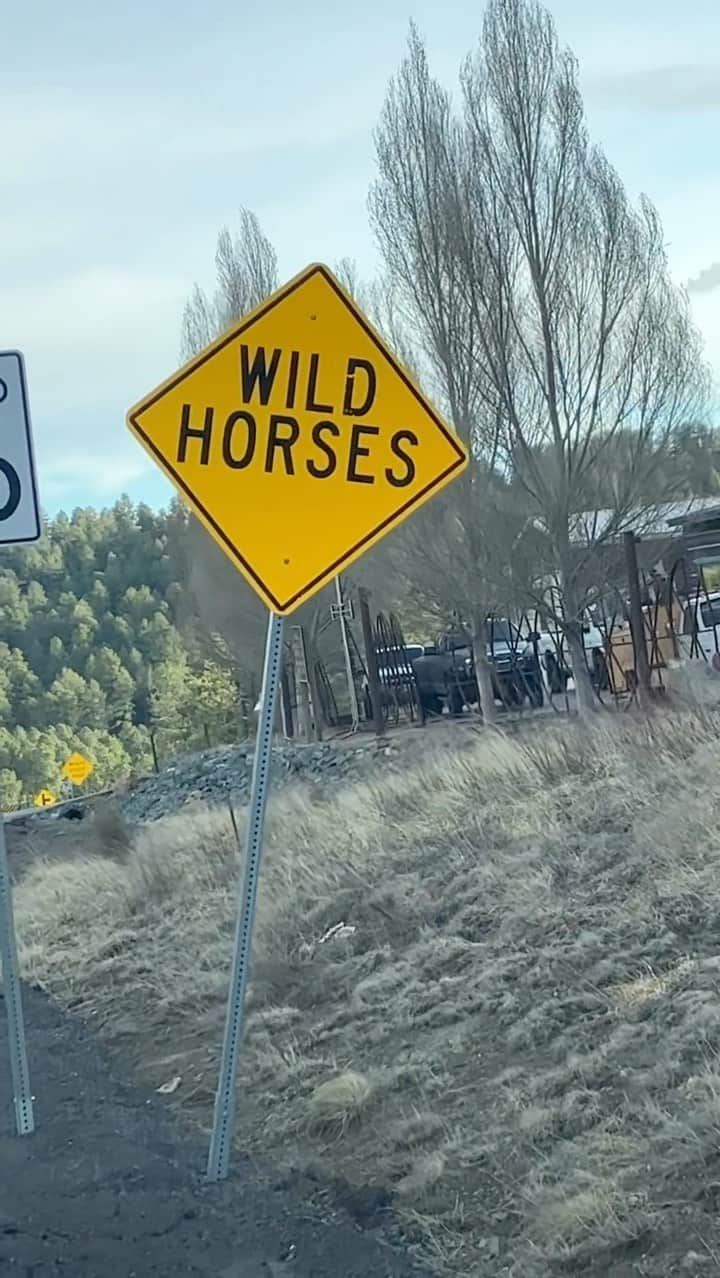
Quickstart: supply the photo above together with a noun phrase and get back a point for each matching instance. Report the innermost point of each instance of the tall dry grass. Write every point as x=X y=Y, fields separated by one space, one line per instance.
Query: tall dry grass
x=516 y=1031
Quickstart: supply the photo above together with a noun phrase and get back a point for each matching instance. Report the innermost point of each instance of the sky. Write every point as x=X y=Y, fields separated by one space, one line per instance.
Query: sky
x=133 y=133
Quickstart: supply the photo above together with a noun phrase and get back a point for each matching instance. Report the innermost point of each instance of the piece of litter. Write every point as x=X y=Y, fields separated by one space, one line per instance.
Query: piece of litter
x=167 y=1089
x=338 y=932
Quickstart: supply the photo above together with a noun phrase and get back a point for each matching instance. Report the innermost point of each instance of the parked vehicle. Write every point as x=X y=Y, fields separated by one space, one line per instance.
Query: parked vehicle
x=516 y=665
x=700 y=628
x=395 y=662
x=395 y=673
x=683 y=629
x=556 y=661
x=679 y=629
x=445 y=674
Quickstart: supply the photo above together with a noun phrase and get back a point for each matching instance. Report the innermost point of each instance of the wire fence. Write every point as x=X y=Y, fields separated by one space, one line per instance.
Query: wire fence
x=527 y=658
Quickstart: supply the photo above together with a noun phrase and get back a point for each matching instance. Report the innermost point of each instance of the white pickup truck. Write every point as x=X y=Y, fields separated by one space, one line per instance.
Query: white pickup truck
x=700 y=630
x=556 y=661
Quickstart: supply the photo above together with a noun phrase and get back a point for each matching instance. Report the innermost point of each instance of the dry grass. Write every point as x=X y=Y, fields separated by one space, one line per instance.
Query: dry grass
x=102 y=833
x=338 y=1103
x=516 y=1032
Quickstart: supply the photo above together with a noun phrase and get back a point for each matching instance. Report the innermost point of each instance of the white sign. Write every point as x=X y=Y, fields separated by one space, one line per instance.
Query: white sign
x=19 y=507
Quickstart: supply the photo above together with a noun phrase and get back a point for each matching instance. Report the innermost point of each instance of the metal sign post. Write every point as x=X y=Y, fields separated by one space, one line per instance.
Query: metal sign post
x=24 y=1119
x=221 y=1137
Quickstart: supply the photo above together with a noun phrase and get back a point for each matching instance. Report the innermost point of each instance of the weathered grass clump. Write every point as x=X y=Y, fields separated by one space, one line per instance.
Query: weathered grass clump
x=516 y=1029
x=337 y=1104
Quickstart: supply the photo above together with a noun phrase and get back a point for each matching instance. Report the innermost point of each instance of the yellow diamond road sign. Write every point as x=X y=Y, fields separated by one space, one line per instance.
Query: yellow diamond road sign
x=298 y=439
x=44 y=799
x=78 y=768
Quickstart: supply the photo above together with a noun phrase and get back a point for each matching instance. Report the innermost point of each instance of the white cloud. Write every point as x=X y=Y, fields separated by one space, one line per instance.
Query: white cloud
x=660 y=88
x=706 y=313
x=706 y=280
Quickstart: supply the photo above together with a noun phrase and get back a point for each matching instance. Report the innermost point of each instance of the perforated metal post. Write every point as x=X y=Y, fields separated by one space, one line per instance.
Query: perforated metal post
x=221 y=1138
x=24 y=1118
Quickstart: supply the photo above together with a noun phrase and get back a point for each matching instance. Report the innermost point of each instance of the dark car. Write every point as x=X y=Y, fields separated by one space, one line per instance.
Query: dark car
x=445 y=674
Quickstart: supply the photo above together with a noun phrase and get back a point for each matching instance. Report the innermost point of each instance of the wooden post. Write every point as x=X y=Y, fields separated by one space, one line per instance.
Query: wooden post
x=302 y=686
x=349 y=672
x=637 y=621
x=286 y=702
x=316 y=709
x=371 y=662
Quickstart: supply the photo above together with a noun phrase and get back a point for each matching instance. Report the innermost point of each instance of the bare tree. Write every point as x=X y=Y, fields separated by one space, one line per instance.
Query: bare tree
x=233 y=619
x=347 y=272
x=420 y=152
x=585 y=337
x=246 y=270
x=232 y=616
x=557 y=294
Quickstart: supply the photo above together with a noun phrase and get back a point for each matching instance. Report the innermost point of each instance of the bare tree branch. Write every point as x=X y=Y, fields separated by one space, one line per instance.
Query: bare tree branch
x=449 y=552
x=246 y=272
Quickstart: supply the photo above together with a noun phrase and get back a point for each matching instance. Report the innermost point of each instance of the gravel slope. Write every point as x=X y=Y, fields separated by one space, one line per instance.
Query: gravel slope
x=214 y=776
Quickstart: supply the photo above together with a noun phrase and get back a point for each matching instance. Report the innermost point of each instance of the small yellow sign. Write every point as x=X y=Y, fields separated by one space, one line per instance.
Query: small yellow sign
x=44 y=799
x=78 y=768
x=298 y=439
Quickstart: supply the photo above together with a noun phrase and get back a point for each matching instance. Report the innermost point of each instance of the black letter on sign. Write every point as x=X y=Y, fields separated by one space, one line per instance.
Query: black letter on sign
x=257 y=372
x=322 y=472
x=359 y=410
x=13 y=483
x=191 y=432
x=402 y=437
x=239 y=463
x=310 y=404
x=285 y=445
x=356 y=450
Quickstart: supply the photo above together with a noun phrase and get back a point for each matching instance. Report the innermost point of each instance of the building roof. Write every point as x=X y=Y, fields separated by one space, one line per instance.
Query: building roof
x=700 y=515
x=663 y=520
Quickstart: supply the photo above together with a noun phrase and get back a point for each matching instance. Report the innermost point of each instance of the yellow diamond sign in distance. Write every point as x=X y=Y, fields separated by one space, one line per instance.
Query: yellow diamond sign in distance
x=78 y=768
x=298 y=439
x=44 y=799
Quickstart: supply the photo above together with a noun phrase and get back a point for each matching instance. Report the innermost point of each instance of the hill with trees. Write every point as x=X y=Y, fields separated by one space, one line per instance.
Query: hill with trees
x=97 y=653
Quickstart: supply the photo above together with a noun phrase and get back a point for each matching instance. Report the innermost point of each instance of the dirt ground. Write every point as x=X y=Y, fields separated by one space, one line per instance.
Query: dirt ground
x=110 y=1186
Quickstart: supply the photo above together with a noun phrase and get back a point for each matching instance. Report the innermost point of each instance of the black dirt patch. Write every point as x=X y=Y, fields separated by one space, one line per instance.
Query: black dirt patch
x=110 y=1186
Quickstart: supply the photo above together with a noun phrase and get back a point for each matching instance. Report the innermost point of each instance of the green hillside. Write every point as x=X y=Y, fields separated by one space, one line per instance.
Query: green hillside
x=91 y=651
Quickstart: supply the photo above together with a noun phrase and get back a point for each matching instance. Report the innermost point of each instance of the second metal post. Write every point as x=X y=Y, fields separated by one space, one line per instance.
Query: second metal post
x=24 y=1118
